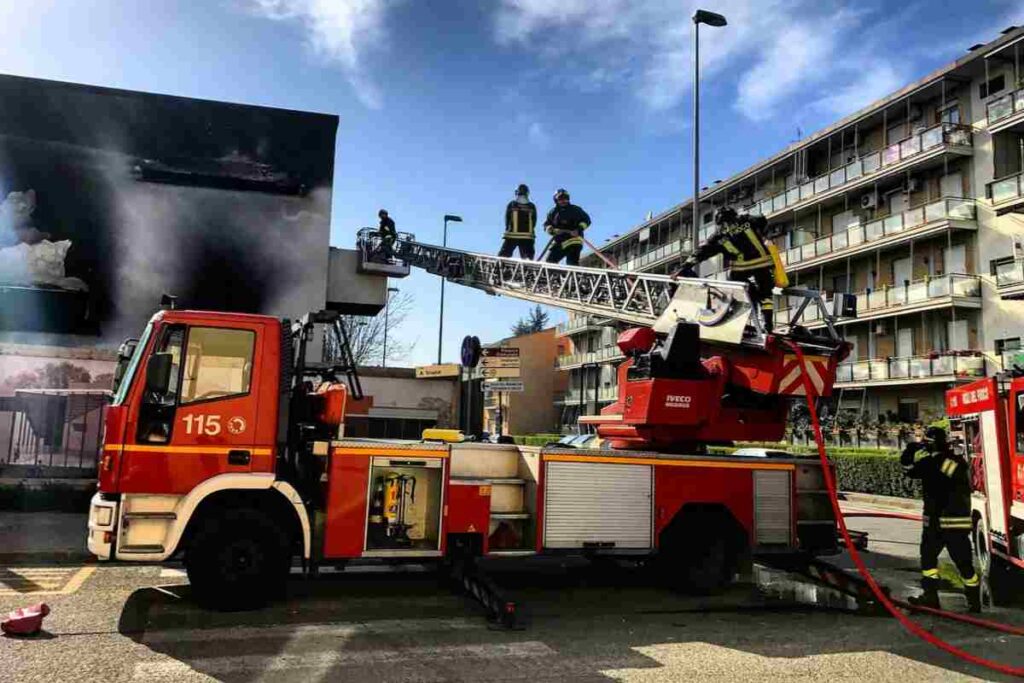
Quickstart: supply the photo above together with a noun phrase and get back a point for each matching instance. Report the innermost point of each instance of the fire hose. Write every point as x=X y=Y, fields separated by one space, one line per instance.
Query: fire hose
x=890 y=605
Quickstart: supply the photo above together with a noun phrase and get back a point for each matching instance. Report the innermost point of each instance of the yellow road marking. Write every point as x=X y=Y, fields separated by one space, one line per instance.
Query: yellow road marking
x=47 y=579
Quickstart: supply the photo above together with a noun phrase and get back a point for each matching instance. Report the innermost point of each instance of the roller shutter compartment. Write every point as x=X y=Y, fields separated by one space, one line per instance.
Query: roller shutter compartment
x=597 y=505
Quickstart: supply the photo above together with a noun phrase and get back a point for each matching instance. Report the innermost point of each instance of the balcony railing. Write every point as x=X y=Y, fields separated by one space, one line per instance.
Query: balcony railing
x=1004 y=107
x=656 y=254
x=910 y=368
x=1006 y=189
x=909 y=294
x=575 y=325
x=1010 y=276
x=941 y=210
x=603 y=355
x=942 y=134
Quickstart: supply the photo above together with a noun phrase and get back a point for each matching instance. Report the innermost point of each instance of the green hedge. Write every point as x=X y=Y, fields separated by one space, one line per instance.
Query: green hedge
x=536 y=439
x=877 y=473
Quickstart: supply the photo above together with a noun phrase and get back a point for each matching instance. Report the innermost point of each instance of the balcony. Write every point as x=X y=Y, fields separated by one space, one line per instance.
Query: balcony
x=1010 y=280
x=1005 y=112
x=909 y=370
x=587 y=323
x=1007 y=194
x=901 y=156
x=656 y=255
x=604 y=395
x=607 y=354
x=918 y=295
x=922 y=221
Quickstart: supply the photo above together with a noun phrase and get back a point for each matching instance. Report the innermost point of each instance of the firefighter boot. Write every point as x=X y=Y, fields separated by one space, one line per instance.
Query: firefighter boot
x=972 y=591
x=929 y=593
x=769 y=319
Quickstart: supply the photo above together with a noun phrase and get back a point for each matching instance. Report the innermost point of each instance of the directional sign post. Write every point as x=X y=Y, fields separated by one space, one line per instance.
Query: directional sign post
x=503 y=385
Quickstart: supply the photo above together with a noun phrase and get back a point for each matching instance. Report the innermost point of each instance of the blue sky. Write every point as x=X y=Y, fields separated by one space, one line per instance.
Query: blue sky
x=446 y=105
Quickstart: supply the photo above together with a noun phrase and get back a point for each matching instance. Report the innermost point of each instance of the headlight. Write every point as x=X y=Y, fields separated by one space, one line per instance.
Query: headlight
x=104 y=516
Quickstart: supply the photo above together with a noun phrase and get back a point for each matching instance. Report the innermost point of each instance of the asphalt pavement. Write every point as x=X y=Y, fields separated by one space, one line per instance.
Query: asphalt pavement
x=138 y=623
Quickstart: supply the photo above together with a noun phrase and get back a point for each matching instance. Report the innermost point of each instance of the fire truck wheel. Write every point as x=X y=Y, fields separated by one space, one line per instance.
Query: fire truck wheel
x=996 y=573
x=238 y=560
x=700 y=552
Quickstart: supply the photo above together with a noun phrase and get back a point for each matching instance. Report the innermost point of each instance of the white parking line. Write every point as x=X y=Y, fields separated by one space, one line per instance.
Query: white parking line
x=324 y=661
x=339 y=629
x=43 y=580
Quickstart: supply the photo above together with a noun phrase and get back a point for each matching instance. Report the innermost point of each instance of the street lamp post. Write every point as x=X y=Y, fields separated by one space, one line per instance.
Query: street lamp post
x=440 y=320
x=711 y=19
x=387 y=305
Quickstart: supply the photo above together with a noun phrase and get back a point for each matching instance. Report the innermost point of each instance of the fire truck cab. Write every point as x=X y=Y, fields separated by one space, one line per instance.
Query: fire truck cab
x=225 y=447
x=987 y=417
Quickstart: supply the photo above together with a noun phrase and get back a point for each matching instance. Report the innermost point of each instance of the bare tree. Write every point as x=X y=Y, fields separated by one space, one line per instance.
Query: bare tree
x=366 y=334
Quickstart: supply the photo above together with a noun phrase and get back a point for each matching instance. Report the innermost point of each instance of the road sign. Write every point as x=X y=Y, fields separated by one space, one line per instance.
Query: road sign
x=500 y=357
x=444 y=370
x=499 y=373
x=506 y=385
x=500 y=352
x=470 y=351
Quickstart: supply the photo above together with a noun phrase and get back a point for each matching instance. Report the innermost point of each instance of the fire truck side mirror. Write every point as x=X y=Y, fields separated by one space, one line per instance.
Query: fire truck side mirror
x=158 y=373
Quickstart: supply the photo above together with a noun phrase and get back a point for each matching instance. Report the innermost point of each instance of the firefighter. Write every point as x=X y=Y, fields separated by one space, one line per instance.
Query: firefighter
x=520 y=225
x=388 y=235
x=947 y=514
x=566 y=223
x=743 y=240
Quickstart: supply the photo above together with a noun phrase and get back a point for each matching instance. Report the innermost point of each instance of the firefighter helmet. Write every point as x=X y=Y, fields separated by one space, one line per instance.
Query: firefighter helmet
x=562 y=193
x=522 y=189
x=936 y=434
x=382 y=213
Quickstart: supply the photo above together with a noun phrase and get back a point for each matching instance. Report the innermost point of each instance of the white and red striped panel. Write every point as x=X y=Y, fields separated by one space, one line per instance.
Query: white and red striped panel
x=792 y=382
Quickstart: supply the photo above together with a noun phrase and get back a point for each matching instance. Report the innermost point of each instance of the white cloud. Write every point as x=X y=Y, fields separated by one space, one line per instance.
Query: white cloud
x=775 y=50
x=337 y=31
x=538 y=135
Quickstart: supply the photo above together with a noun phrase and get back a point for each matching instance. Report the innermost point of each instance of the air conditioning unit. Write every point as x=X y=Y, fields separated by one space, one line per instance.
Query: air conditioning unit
x=869 y=201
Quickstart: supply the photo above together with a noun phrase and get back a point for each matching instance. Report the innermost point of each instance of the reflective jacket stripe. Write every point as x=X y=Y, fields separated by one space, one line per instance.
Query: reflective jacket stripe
x=754 y=264
x=756 y=241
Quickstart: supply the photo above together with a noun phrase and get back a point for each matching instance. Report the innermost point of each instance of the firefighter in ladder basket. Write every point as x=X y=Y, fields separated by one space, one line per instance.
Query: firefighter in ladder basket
x=388 y=236
x=743 y=240
x=566 y=223
x=947 y=514
x=520 y=225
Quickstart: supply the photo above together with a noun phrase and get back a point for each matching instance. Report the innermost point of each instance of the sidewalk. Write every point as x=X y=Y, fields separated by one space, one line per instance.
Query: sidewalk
x=898 y=504
x=27 y=537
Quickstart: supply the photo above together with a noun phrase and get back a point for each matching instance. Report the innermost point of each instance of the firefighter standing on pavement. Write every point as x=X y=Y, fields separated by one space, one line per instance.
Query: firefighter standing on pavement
x=388 y=234
x=520 y=225
x=947 y=515
x=566 y=223
x=752 y=259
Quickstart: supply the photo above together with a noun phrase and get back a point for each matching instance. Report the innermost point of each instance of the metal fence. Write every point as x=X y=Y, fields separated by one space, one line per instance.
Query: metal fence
x=53 y=427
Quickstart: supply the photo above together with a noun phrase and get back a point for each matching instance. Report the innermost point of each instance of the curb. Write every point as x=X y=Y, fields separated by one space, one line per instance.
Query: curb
x=881 y=501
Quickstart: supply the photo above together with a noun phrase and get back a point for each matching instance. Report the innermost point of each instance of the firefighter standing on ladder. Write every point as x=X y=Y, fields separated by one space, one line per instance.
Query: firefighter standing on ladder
x=947 y=515
x=388 y=235
x=520 y=225
x=752 y=258
x=566 y=223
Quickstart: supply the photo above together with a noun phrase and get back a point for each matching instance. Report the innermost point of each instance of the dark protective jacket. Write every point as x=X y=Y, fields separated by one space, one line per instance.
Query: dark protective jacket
x=562 y=222
x=946 y=482
x=387 y=230
x=520 y=221
x=744 y=250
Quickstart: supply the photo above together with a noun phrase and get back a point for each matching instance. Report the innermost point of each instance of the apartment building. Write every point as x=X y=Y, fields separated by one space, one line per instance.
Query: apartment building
x=914 y=203
x=536 y=409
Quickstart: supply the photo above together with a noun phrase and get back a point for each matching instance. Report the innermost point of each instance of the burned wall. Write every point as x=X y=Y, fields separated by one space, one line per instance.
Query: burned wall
x=112 y=198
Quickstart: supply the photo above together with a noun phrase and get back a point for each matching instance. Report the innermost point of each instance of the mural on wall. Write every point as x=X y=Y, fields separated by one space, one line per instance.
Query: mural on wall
x=109 y=199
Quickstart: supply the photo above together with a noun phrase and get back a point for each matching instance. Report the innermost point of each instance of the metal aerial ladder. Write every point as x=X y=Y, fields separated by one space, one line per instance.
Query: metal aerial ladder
x=723 y=309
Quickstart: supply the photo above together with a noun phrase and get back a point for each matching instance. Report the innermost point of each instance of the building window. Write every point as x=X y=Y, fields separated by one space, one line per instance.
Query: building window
x=909 y=410
x=951 y=114
x=1008 y=344
x=1001 y=266
x=993 y=86
x=707 y=217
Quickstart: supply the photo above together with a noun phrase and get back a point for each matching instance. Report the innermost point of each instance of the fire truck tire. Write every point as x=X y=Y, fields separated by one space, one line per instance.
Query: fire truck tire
x=996 y=573
x=239 y=559
x=700 y=551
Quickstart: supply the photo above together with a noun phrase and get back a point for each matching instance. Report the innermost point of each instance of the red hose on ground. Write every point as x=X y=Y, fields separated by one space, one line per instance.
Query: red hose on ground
x=880 y=595
x=953 y=616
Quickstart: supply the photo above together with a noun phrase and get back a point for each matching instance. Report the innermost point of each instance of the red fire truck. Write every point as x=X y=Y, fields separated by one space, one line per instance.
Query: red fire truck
x=987 y=417
x=224 y=446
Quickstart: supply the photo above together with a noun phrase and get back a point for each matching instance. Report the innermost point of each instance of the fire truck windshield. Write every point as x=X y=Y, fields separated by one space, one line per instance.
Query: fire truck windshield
x=126 y=365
